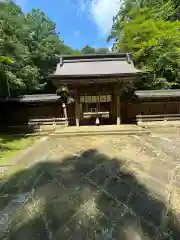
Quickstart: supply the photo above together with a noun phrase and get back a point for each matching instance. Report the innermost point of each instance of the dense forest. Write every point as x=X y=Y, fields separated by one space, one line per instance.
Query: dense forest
x=151 y=31
x=29 y=50
x=30 y=46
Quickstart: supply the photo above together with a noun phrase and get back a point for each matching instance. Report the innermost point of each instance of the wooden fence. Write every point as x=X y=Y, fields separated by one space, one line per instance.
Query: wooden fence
x=21 y=113
x=130 y=110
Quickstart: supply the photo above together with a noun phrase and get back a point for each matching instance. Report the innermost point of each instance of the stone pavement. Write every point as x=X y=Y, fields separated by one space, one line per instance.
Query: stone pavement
x=95 y=187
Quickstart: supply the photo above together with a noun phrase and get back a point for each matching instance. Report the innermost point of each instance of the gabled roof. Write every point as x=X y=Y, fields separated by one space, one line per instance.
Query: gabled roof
x=113 y=64
x=158 y=93
x=32 y=98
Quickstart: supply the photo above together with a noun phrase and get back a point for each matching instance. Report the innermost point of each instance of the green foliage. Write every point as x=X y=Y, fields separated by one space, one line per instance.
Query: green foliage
x=88 y=50
x=33 y=44
x=5 y=60
x=29 y=50
x=102 y=50
x=65 y=95
x=149 y=32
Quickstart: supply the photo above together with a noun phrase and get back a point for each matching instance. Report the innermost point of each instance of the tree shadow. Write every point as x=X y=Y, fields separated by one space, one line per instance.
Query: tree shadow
x=86 y=196
x=9 y=143
x=4 y=148
x=8 y=138
x=19 y=130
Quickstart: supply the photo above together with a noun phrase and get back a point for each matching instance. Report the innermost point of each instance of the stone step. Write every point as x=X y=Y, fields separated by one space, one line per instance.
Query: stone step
x=94 y=133
x=64 y=130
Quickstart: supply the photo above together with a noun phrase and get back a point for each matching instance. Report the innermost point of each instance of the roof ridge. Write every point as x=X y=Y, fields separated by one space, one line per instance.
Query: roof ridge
x=94 y=56
x=93 y=60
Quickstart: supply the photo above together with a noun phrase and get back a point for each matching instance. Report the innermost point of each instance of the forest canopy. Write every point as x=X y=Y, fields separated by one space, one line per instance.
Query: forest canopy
x=30 y=48
x=151 y=31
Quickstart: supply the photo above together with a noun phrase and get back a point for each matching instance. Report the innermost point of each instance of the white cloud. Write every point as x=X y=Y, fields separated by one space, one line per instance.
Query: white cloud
x=103 y=12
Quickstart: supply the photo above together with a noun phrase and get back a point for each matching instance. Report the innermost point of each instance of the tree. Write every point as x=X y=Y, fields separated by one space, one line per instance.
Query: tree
x=163 y=9
x=33 y=43
x=155 y=44
x=4 y=84
x=65 y=98
x=88 y=50
x=13 y=34
x=150 y=31
x=102 y=50
x=43 y=41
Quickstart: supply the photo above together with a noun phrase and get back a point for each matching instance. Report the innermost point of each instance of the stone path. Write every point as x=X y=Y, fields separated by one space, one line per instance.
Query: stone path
x=96 y=187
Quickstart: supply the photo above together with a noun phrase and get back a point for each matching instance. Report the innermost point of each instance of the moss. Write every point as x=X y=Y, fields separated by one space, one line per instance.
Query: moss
x=10 y=145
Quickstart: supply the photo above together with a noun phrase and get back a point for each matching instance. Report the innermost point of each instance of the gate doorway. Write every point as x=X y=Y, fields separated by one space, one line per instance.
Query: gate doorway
x=95 y=106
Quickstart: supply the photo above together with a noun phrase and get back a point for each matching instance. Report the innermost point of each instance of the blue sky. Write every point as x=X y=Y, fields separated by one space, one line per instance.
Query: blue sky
x=79 y=22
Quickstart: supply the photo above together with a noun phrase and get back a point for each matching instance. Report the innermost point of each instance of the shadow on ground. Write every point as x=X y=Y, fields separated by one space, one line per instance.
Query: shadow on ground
x=7 y=148
x=4 y=139
x=87 y=196
x=8 y=139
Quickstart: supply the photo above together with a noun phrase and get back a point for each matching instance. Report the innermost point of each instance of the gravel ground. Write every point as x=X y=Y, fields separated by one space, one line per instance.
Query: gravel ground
x=95 y=187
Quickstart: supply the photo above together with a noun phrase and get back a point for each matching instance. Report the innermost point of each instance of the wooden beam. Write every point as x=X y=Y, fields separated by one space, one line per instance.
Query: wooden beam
x=93 y=80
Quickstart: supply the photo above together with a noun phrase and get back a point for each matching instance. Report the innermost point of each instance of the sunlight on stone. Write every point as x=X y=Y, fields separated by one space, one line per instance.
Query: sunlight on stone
x=29 y=210
x=135 y=233
x=7 y=214
x=34 y=206
x=175 y=200
x=90 y=209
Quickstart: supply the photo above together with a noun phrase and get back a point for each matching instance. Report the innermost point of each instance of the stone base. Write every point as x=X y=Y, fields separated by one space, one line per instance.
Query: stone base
x=101 y=130
x=159 y=124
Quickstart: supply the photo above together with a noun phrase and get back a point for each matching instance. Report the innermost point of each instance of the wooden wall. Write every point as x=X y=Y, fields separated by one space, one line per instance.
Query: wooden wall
x=21 y=113
x=129 y=110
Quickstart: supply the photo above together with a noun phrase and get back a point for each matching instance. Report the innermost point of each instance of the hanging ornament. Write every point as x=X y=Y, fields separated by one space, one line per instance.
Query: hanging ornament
x=97 y=121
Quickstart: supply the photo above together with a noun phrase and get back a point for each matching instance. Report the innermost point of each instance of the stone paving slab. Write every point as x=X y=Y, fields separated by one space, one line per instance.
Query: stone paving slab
x=96 y=187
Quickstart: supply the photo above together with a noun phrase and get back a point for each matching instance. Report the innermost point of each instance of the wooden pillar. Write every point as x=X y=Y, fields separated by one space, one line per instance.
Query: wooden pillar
x=77 y=107
x=118 y=111
x=118 y=105
x=114 y=100
x=111 y=105
x=97 y=94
